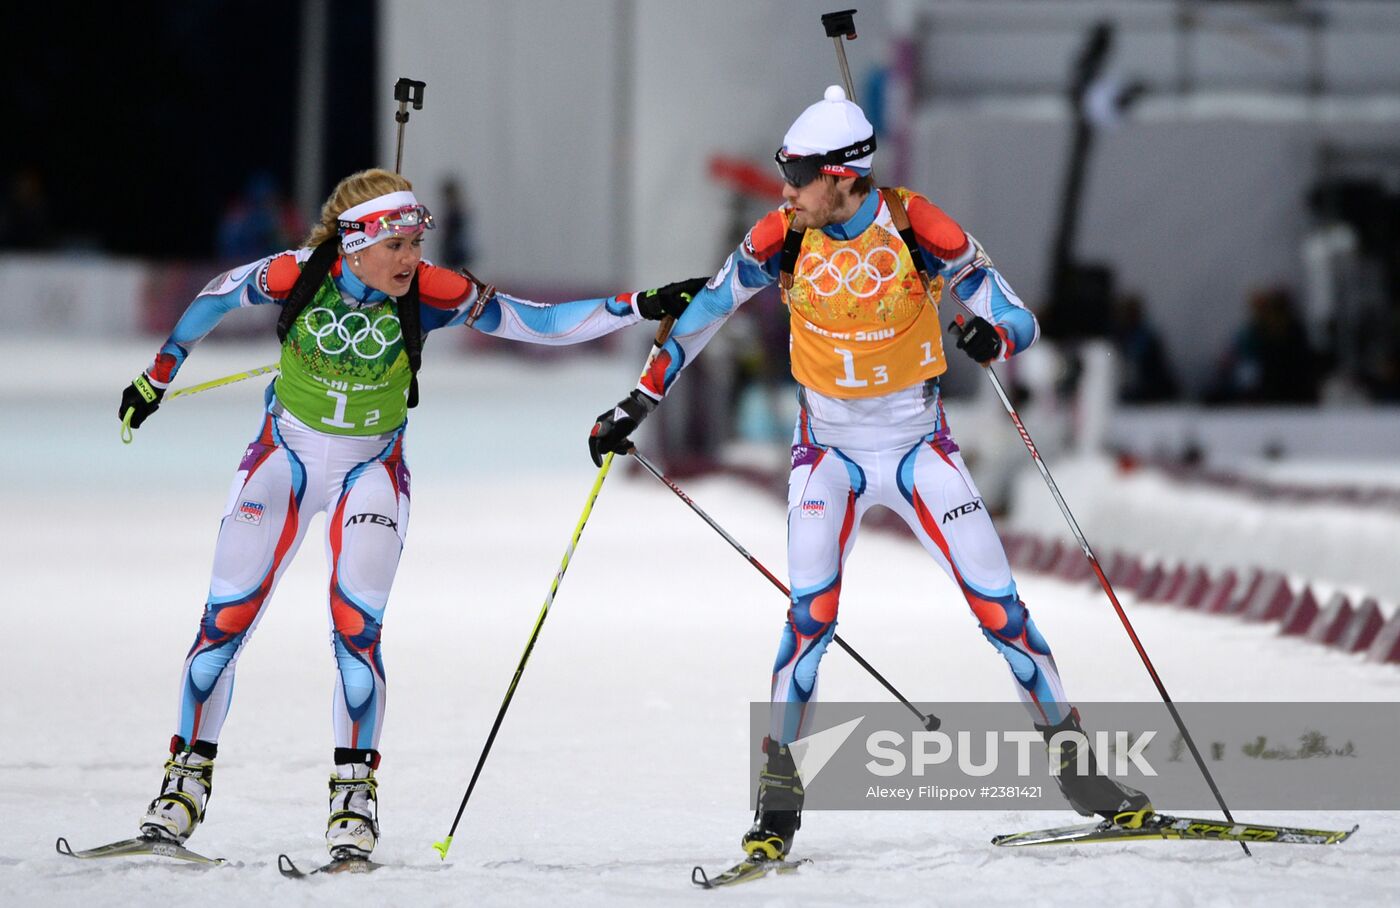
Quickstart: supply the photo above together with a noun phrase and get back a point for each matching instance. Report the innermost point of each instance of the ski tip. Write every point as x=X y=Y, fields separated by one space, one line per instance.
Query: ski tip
x=286 y=867
x=62 y=847
x=744 y=871
x=441 y=847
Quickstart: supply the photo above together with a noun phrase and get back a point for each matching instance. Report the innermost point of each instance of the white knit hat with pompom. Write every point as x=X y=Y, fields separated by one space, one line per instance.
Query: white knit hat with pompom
x=829 y=124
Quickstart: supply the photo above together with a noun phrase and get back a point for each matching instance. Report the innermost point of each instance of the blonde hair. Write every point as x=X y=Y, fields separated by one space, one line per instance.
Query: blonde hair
x=349 y=192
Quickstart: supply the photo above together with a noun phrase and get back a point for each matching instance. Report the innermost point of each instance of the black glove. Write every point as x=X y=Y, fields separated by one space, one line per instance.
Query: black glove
x=142 y=397
x=612 y=428
x=978 y=338
x=672 y=299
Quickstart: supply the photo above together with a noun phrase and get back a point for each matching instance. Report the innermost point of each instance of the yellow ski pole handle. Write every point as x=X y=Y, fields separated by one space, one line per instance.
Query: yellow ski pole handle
x=127 y=434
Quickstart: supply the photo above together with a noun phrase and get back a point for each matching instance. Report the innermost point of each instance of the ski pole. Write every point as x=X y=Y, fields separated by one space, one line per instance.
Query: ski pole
x=930 y=721
x=446 y=843
x=220 y=382
x=195 y=389
x=663 y=331
x=1102 y=577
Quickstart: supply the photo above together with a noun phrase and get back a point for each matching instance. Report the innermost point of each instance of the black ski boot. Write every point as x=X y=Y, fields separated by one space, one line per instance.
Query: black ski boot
x=779 y=813
x=1088 y=792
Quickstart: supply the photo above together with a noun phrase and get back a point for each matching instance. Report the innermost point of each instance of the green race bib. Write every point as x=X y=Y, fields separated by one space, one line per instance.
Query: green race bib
x=343 y=369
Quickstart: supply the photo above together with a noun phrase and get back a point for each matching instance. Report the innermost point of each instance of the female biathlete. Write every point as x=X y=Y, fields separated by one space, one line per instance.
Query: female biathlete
x=356 y=301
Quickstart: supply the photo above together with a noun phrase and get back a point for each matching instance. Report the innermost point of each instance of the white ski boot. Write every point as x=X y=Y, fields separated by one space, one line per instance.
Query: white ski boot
x=177 y=811
x=353 y=827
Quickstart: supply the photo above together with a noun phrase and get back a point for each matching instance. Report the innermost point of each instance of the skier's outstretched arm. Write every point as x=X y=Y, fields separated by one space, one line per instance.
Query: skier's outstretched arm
x=750 y=268
x=450 y=298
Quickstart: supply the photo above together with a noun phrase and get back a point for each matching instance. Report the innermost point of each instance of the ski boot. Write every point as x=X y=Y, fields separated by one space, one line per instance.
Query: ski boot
x=1088 y=792
x=779 y=813
x=177 y=811
x=353 y=827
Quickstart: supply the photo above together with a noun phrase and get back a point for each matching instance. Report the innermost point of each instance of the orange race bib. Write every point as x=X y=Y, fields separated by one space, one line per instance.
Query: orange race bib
x=861 y=323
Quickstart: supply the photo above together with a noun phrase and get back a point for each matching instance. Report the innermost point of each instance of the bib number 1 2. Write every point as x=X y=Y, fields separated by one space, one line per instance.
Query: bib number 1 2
x=337 y=419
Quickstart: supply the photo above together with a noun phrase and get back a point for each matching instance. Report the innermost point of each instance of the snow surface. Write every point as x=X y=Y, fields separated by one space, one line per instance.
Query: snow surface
x=623 y=761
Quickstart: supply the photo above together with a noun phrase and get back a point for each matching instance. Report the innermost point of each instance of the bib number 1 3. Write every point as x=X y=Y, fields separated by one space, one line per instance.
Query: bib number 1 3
x=849 y=380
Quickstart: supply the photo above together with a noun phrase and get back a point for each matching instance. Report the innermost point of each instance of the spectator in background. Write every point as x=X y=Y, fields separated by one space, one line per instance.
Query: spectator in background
x=456 y=224
x=26 y=221
x=1146 y=374
x=1270 y=359
x=259 y=221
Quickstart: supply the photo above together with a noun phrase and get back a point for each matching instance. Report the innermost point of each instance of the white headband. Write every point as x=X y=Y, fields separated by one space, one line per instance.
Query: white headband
x=353 y=240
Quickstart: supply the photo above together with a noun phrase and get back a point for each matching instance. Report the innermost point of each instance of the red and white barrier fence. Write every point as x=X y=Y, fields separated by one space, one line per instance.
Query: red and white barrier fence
x=1250 y=594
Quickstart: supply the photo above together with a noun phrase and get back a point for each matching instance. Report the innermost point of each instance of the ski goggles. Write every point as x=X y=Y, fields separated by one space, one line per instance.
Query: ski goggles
x=799 y=170
x=374 y=221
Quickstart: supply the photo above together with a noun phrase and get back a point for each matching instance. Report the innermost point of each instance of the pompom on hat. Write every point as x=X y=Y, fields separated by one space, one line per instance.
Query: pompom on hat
x=827 y=125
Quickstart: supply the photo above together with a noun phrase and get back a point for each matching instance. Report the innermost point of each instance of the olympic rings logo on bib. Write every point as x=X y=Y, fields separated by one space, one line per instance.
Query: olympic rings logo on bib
x=862 y=276
x=353 y=331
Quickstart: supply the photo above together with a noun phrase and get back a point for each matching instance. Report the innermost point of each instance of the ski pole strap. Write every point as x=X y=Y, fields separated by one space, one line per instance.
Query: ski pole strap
x=143 y=386
x=148 y=394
